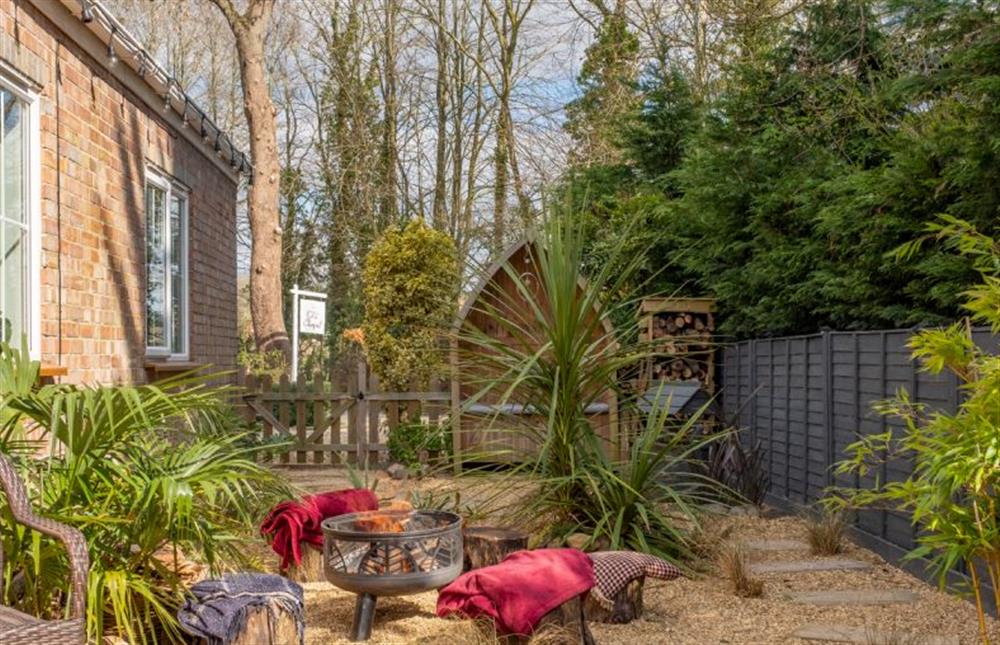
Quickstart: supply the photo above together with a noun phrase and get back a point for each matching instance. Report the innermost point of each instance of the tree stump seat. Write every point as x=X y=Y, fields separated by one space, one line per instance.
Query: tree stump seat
x=627 y=607
x=267 y=626
x=564 y=624
x=485 y=546
x=311 y=567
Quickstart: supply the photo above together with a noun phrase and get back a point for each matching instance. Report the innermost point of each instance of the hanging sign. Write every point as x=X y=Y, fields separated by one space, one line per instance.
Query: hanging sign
x=312 y=316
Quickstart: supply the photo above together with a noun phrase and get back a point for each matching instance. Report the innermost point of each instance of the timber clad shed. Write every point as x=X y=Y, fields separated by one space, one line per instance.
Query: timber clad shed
x=481 y=425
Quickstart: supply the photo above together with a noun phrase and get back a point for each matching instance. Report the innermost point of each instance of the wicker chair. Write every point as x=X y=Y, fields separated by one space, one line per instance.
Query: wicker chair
x=17 y=628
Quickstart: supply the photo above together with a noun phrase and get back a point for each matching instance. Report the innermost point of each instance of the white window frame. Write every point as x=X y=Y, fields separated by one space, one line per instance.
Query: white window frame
x=171 y=189
x=33 y=211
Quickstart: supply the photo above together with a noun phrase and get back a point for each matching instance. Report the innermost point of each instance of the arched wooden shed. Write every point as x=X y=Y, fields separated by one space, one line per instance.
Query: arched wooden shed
x=480 y=426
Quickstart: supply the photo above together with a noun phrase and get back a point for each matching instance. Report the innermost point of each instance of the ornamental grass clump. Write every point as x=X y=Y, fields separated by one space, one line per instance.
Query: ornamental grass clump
x=156 y=477
x=952 y=493
x=734 y=565
x=825 y=531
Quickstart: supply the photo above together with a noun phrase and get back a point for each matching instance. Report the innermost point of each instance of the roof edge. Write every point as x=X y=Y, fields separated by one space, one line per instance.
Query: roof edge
x=125 y=58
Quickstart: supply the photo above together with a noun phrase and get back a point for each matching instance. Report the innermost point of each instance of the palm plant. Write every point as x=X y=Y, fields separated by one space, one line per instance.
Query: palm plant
x=147 y=473
x=557 y=357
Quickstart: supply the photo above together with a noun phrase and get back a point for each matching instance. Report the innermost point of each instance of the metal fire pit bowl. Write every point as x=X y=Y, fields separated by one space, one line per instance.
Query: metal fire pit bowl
x=390 y=553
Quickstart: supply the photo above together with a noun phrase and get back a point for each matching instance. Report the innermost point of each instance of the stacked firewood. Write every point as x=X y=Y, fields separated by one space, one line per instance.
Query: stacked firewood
x=683 y=341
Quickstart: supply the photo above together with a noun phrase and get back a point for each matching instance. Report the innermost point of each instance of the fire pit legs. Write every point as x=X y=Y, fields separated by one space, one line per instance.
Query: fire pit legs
x=364 y=615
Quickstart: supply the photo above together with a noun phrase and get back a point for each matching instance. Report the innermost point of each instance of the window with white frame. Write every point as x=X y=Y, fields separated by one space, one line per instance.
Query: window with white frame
x=18 y=217
x=166 y=267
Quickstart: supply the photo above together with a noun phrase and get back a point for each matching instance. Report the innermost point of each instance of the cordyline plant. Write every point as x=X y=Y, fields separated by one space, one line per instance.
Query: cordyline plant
x=545 y=349
x=150 y=474
x=952 y=493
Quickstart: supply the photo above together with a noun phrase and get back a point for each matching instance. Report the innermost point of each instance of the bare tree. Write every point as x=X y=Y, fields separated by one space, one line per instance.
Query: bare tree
x=250 y=30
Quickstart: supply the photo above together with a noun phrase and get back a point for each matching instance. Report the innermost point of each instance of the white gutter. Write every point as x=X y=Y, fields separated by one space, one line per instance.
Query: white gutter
x=137 y=69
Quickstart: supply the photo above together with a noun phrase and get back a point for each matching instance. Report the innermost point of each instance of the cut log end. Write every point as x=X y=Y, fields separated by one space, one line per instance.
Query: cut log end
x=268 y=627
x=311 y=567
x=485 y=546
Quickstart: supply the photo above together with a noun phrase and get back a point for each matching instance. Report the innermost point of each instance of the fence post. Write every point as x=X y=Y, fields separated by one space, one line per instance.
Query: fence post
x=753 y=391
x=806 y=392
x=882 y=425
x=456 y=408
x=828 y=403
x=362 y=415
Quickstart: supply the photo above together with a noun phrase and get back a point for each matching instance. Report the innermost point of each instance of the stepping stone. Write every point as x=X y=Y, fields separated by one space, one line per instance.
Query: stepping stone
x=804 y=566
x=776 y=545
x=853 y=597
x=867 y=635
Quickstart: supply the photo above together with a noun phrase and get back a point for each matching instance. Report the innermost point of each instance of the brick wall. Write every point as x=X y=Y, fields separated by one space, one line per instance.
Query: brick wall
x=95 y=147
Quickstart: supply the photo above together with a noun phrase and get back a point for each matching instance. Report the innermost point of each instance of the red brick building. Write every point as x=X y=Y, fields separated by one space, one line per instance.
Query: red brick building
x=117 y=203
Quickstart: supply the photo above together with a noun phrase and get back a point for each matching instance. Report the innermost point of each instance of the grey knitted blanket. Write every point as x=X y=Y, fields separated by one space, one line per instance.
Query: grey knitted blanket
x=219 y=609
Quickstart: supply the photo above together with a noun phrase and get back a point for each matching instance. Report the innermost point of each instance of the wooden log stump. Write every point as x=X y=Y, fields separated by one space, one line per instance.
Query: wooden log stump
x=268 y=627
x=488 y=545
x=627 y=607
x=311 y=568
x=564 y=625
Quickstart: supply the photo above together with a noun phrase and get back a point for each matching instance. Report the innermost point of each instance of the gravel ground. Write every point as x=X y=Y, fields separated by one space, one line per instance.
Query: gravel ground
x=689 y=611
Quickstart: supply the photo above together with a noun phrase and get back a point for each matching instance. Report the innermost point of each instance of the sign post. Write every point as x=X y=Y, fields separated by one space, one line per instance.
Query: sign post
x=308 y=317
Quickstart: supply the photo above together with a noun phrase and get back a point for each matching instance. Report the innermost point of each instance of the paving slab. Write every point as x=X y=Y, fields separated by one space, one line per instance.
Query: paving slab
x=805 y=566
x=776 y=545
x=853 y=597
x=868 y=635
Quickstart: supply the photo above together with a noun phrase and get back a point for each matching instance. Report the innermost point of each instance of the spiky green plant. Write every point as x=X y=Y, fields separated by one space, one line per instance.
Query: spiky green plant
x=141 y=471
x=556 y=357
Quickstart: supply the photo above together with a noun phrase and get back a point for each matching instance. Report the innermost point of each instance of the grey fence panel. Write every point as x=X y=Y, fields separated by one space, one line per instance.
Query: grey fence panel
x=806 y=398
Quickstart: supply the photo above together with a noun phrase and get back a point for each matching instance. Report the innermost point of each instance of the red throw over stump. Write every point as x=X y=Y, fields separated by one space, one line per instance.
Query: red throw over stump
x=293 y=522
x=516 y=593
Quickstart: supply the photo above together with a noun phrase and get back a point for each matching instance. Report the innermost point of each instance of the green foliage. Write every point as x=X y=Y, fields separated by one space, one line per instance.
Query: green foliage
x=410 y=291
x=141 y=471
x=555 y=357
x=825 y=148
x=953 y=491
x=608 y=80
x=262 y=363
x=408 y=440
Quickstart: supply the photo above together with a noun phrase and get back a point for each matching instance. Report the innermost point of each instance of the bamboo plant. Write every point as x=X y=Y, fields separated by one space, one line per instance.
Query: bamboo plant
x=952 y=491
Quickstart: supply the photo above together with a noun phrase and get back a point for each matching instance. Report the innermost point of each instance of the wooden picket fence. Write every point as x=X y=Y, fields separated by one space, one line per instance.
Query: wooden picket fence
x=341 y=418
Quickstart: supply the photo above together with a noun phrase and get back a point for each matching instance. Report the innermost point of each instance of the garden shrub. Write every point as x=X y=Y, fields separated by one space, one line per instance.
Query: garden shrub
x=411 y=278
x=953 y=491
x=407 y=440
x=145 y=472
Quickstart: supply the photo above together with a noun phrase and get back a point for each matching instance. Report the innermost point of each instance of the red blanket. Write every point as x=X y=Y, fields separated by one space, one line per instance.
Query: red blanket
x=516 y=593
x=293 y=522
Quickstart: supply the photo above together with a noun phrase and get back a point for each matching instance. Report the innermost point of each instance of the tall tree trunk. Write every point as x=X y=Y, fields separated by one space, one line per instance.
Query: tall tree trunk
x=440 y=217
x=250 y=30
x=390 y=148
x=500 y=157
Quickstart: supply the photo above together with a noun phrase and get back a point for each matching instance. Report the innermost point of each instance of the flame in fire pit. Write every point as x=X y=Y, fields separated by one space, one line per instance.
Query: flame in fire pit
x=379 y=523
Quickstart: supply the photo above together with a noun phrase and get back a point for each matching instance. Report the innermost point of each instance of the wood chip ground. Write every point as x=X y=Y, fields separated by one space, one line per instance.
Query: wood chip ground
x=697 y=611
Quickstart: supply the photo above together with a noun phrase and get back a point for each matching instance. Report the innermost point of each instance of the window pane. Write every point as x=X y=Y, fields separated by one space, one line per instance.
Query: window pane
x=13 y=308
x=178 y=261
x=13 y=157
x=156 y=268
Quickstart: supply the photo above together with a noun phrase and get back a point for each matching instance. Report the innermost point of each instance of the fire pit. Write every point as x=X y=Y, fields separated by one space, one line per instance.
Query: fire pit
x=390 y=553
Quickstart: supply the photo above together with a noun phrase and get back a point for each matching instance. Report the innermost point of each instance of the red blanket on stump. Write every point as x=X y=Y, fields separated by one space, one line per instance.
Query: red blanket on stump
x=516 y=593
x=293 y=522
